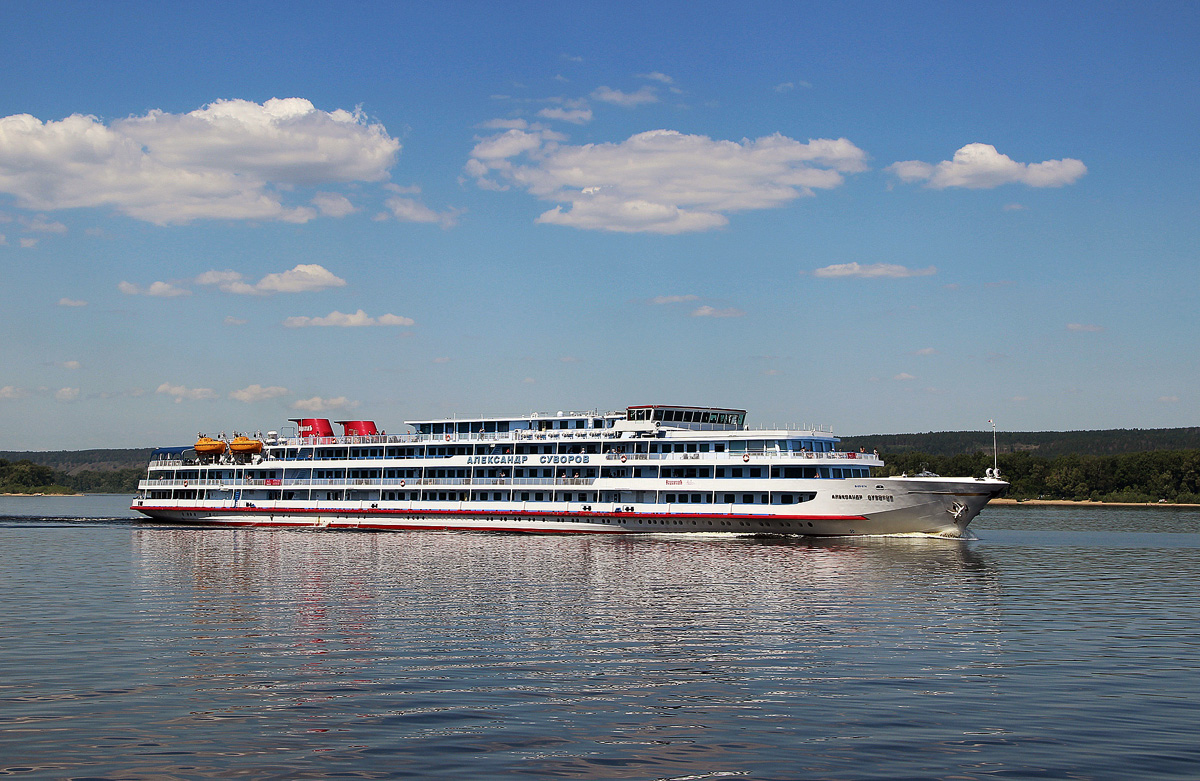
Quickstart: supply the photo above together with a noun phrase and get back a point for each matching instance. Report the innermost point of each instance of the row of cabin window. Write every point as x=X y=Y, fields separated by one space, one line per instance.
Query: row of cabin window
x=562 y=471
x=669 y=472
x=446 y=451
x=779 y=497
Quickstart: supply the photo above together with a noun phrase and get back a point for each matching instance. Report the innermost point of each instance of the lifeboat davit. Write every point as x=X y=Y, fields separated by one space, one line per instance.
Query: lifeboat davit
x=207 y=446
x=245 y=445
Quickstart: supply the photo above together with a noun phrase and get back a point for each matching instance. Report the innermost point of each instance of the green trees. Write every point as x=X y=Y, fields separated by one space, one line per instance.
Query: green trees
x=1173 y=475
x=26 y=477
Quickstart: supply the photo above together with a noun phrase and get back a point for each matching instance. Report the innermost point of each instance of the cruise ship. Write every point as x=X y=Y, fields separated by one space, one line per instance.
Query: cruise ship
x=647 y=469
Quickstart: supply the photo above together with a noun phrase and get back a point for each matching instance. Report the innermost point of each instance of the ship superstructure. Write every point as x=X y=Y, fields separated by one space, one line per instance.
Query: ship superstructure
x=649 y=468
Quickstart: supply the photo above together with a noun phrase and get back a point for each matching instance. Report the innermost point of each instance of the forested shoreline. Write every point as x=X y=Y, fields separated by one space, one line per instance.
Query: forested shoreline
x=1171 y=475
x=26 y=477
x=1160 y=475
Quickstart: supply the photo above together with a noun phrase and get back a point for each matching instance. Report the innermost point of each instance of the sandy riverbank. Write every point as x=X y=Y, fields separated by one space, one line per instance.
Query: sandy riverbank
x=1072 y=503
x=43 y=494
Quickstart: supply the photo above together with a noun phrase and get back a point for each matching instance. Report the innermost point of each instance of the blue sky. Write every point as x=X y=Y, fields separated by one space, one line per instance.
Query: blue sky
x=882 y=217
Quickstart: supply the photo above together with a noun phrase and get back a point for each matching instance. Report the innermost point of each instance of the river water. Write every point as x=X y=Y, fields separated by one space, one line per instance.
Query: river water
x=1061 y=643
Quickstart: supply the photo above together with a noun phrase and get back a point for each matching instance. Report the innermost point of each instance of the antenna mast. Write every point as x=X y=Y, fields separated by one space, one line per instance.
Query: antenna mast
x=995 y=456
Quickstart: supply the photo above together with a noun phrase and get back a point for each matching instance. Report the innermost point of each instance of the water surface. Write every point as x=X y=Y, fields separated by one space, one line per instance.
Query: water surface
x=1059 y=644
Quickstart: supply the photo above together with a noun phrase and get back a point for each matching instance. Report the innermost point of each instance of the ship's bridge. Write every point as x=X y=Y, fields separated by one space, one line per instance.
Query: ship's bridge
x=700 y=418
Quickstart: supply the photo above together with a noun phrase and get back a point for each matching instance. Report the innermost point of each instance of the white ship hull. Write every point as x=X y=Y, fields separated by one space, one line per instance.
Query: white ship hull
x=845 y=507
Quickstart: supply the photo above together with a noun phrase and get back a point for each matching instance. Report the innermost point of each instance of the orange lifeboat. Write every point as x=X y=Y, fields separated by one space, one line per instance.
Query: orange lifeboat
x=245 y=445
x=207 y=446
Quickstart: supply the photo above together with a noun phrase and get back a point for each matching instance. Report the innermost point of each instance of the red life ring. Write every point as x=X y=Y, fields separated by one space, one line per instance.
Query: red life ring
x=401 y=483
x=185 y=483
x=745 y=456
x=624 y=459
x=447 y=437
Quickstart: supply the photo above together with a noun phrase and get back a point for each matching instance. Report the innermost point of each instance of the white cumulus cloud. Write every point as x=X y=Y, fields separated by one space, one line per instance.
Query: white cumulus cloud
x=1085 y=328
x=66 y=394
x=156 y=289
x=980 y=166
x=12 y=392
x=660 y=181
x=872 y=271
x=181 y=392
x=576 y=116
x=340 y=319
x=40 y=225
x=256 y=392
x=412 y=210
x=657 y=76
x=71 y=302
x=674 y=299
x=709 y=311
x=232 y=159
x=626 y=99
x=333 y=204
x=319 y=404
x=303 y=278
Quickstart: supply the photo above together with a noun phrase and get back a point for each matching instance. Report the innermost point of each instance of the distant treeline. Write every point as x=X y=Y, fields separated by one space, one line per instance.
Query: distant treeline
x=98 y=460
x=1047 y=444
x=1171 y=475
x=26 y=477
x=1138 y=465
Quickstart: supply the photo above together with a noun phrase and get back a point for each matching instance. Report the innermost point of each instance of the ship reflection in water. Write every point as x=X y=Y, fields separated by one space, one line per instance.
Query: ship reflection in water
x=572 y=656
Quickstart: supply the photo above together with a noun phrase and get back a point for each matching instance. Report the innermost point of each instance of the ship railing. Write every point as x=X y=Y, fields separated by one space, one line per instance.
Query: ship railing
x=739 y=454
x=807 y=455
x=487 y=481
x=389 y=482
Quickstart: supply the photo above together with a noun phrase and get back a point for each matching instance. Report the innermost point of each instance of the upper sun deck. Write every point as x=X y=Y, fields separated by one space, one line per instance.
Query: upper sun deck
x=661 y=416
x=641 y=422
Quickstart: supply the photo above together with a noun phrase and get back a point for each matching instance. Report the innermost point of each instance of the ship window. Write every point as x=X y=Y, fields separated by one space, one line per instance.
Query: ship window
x=691 y=448
x=747 y=498
x=727 y=498
x=670 y=498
